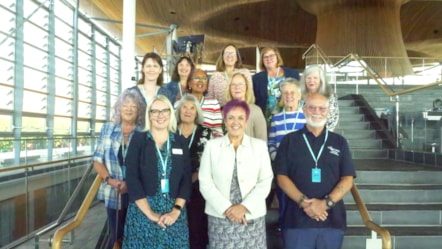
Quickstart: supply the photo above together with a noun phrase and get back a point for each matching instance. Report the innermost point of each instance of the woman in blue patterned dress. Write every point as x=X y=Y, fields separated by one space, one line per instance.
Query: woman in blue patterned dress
x=235 y=178
x=158 y=182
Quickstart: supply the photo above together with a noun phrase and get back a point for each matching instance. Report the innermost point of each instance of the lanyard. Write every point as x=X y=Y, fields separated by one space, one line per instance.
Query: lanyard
x=311 y=151
x=285 y=121
x=181 y=91
x=202 y=101
x=227 y=76
x=163 y=162
x=191 y=138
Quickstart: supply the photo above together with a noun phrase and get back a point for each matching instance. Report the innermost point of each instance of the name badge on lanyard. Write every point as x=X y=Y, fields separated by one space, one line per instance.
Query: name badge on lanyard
x=316 y=175
x=165 y=185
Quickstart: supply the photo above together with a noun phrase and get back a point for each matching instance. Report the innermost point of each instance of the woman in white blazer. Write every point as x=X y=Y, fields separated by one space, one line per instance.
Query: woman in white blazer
x=235 y=177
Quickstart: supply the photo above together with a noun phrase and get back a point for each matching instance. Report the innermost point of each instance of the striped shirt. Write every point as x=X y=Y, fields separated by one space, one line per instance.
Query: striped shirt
x=283 y=123
x=213 y=118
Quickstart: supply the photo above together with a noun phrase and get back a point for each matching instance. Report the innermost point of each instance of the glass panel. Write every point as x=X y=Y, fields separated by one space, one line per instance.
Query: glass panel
x=6 y=102
x=98 y=126
x=35 y=102
x=84 y=93
x=64 y=31
x=35 y=36
x=5 y=124
x=101 y=113
x=62 y=11
x=7 y=19
x=84 y=60
x=31 y=124
x=84 y=76
x=36 y=13
x=84 y=27
x=62 y=126
x=6 y=72
x=63 y=68
x=63 y=106
x=84 y=44
x=63 y=88
x=34 y=80
x=100 y=83
x=101 y=97
x=8 y=4
x=63 y=49
x=83 y=126
x=84 y=111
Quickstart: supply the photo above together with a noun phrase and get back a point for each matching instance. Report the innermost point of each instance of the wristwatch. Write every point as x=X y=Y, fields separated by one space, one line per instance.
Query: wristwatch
x=177 y=207
x=107 y=178
x=329 y=202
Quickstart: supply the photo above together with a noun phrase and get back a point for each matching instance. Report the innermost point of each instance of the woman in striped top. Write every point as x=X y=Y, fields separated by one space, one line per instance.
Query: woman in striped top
x=290 y=119
x=211 y=109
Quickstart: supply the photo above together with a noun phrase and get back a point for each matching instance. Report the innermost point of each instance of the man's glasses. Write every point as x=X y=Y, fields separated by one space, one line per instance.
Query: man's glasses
x=156 y=112
x=199 y=79
x=312 y=108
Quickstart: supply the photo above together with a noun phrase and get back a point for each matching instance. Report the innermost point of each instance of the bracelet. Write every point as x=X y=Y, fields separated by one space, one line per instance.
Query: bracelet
x=177 y=207
x=301 y=200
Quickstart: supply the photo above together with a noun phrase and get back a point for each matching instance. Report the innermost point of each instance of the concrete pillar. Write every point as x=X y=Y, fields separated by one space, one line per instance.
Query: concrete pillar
x=128 y=50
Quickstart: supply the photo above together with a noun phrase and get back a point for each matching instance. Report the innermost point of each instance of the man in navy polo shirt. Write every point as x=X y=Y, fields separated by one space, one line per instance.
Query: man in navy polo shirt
x=314 y=168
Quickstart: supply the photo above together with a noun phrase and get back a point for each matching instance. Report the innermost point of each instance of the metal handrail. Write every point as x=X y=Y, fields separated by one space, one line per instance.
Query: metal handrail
x=57 y=239
x=368 y=222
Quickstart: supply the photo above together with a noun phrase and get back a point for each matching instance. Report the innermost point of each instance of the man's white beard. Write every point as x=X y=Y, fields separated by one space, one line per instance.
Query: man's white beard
x=314 y=124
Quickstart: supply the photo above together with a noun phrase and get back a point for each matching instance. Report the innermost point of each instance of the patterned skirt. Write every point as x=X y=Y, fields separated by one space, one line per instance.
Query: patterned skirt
x=224 y=234
x=142 y=233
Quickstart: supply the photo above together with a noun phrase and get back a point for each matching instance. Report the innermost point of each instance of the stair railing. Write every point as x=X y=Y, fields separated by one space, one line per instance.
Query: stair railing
x=368 y=222
x=57 y=239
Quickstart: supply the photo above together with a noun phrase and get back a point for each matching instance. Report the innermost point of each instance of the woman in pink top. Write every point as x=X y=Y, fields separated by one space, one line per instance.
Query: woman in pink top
x=228 y=63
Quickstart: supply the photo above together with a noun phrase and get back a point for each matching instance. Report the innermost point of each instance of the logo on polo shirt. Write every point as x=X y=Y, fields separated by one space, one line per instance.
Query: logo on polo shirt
x=333 y=151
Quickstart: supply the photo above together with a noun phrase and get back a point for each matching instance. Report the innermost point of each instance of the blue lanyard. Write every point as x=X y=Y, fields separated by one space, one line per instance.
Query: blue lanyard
x=315 y=158
x=285 y=121
x=191 y=138
x=163 y=162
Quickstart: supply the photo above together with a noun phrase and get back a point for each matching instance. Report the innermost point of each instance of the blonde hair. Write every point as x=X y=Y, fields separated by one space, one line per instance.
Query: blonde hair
x=250 y=96
x=172 y=119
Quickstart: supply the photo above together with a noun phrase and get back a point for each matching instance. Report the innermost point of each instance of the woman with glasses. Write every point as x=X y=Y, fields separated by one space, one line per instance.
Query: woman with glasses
x=110 y=159
x=151 y=82
x=313 y=81
x=159 y=182
x=235 y=178
x=239 y=89
x=228 y=62
x=178 y=86
x=266 y=83
x=190 y=119
x=212 y=117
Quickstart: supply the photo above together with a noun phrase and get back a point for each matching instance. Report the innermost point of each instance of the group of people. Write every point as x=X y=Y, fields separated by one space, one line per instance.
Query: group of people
x=190 y=163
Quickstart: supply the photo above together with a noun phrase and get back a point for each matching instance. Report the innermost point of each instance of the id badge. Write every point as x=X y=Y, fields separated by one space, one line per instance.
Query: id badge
x=316 y=175
x=164 y=186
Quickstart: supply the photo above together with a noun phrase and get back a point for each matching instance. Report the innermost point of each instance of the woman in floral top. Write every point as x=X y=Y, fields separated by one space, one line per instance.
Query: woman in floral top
x=189 y=116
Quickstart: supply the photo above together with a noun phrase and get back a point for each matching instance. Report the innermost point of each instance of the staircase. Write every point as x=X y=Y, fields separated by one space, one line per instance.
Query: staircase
x=406 y=198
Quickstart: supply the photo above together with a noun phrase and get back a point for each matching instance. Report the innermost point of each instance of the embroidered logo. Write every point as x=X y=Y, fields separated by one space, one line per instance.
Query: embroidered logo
x=333 y=151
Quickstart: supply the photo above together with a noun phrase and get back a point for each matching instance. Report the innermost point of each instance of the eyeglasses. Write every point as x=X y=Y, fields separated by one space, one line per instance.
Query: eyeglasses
x=237 y=85
x=199 y=79
x=269 y=57
x=229 y=53
x=312 y=108
x=164 y=112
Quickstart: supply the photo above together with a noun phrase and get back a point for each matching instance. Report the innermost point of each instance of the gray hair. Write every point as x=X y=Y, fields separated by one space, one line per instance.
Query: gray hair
x=324 y=87
x=290 y=81
x=172 y=119
x=129 y=94
x=190 y=98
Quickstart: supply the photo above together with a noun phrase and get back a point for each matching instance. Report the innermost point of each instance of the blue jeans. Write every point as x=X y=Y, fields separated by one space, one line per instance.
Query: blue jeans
x=313 y=238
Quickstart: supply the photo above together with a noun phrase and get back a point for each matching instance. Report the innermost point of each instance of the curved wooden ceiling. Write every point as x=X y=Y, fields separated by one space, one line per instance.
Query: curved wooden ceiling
x=251 y=23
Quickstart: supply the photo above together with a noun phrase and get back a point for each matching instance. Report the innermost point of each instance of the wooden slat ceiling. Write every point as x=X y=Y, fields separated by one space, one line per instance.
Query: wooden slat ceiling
x=251 y=23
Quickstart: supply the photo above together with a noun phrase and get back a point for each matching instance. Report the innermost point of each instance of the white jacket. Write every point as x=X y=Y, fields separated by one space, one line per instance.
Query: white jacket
x=254 y=175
